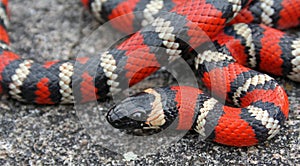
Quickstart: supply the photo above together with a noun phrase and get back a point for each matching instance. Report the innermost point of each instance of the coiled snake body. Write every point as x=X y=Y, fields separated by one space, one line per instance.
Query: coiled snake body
x=235 y=29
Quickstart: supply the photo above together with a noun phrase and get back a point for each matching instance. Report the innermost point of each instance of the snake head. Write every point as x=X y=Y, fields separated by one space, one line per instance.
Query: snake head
x=131 y=113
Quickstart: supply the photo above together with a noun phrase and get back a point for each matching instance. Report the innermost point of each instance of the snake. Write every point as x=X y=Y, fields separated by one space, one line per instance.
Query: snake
x=246 y=34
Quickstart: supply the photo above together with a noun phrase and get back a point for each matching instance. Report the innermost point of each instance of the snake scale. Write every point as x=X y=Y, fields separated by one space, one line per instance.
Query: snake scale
x=245 y=34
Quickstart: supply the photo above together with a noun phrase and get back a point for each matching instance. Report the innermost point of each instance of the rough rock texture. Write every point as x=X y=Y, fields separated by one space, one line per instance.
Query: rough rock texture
x=30 y=134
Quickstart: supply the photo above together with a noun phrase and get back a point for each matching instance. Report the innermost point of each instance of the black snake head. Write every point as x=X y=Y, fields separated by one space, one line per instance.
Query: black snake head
x=131 y=113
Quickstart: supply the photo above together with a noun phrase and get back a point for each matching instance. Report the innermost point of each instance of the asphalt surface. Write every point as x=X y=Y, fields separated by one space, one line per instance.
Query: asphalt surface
x=54 y=135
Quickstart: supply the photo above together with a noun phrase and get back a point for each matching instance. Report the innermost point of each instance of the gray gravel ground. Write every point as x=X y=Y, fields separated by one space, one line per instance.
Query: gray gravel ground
x=35 y=135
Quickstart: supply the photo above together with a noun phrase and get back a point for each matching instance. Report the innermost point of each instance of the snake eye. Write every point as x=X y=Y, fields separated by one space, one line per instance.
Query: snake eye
x=138 y=115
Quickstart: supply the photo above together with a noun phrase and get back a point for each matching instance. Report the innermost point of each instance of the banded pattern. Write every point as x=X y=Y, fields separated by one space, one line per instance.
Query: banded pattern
x=263 y=104
x=134 y=13
x=208 y=105
x=65 y=75
x=294 y=73
x=17 y=79
x=157 y=117
x=129 y=68
x=151 y=10
x=262 y=48
x=282 y=14
x=244 y=126
x=165 y=37
x=165 y=33
x=109 y=67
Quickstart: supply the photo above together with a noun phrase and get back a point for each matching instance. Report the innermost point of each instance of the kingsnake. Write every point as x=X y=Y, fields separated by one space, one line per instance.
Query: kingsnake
x=261 y=105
